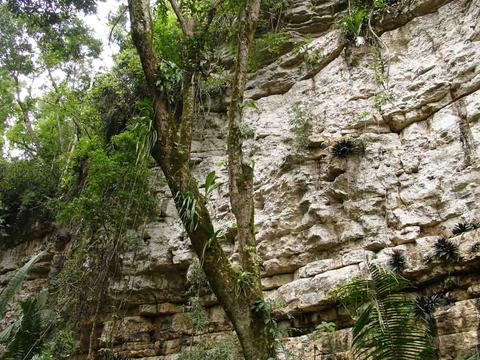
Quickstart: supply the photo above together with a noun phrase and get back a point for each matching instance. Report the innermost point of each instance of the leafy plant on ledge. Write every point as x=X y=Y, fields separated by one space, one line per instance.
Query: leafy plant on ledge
x=446 y=250
x=300 y=125
x=425 y=306
x=397 y=261
x=475 y=247
x=353 y=25
x=463 y=227
x=357 y=23
x=346 y=147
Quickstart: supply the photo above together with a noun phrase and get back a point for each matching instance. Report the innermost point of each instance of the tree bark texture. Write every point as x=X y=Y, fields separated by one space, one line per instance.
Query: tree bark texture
x=172 y=153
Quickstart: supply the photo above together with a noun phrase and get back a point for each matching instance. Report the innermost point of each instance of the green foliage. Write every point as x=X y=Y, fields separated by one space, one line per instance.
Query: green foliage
x=14 y=284
x=31 y=49
x=385 y=327
x=72 y=44
x=210 y=184
x=475 y=247
x=326 y=326
x=474 y=356
x=196 y=275
x=425 y=306
x=397 y=261
x=187 y=210
x=446 y=250
x=209 y=349
x=27 y=186
x=266 y=310
x=167 y=36
x=300 y=125
x=361 y=13
x=325 y=330
x=244 y=279
x=45 y=13
x=197 y=315
x=251 y=104
x=379 y=4
x=271 y=15
x=266 y=48
x=245 y=130
x=462 y=227
x=353 y=24
x=311 y=56
x=218 y=80
x=23 y=338
x=15 y=55
x=61 y=345
x=3 y=223
x=111 y=181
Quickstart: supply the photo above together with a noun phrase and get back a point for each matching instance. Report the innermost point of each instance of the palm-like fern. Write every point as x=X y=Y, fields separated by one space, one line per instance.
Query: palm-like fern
x=7 y=294
x=23 y=338
x=385 y=328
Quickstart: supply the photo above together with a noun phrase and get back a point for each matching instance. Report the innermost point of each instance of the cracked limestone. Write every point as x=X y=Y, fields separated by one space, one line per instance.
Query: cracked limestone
x=319 y=218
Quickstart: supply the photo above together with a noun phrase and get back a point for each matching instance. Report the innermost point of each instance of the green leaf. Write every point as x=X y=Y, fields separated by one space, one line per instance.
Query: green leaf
x=14 y=284
x=210 y=183
x=385 y=326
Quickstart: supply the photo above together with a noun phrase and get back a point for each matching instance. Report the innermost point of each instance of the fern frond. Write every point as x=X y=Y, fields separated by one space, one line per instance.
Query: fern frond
x=385 y=326
x=25 y=339
x=7 y=294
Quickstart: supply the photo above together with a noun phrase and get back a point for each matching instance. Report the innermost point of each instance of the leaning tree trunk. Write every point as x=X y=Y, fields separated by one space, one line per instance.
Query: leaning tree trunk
x=172 y=153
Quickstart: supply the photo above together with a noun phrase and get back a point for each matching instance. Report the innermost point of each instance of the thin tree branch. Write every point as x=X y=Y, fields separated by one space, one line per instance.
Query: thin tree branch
x=24 y=110
x=186 y=28
x=241 y=173
x=142 y=37
x=117 y=20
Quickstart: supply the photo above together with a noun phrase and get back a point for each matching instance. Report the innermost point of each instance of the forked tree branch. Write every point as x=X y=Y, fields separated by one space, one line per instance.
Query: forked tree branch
x=236 y=292
x=184 y=23
x=142 y=37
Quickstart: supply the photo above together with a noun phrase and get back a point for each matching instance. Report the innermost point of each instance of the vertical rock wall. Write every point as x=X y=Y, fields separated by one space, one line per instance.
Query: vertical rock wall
x=414 y=102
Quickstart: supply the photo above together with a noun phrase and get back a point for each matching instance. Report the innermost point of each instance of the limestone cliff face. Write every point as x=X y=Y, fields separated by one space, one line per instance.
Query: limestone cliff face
x=319 y=217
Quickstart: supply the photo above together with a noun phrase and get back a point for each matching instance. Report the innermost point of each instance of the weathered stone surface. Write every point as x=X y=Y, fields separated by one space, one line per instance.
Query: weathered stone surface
x=320 y=218
x=159 y=309
x=311 y=293
x=128 y=329
x=276 y=281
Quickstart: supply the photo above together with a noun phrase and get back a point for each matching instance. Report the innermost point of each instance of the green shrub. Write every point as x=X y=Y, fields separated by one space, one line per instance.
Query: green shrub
x=353 y=25
x=462 y=227
x=208 y=349
x=27 y=184
x=61 y=345
x=300 y=125
x=266 y=48
x=24 y=338
x=110 y=185
x=397 y=261
x=446 y=250
x=197 y=315
x=344 y=148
